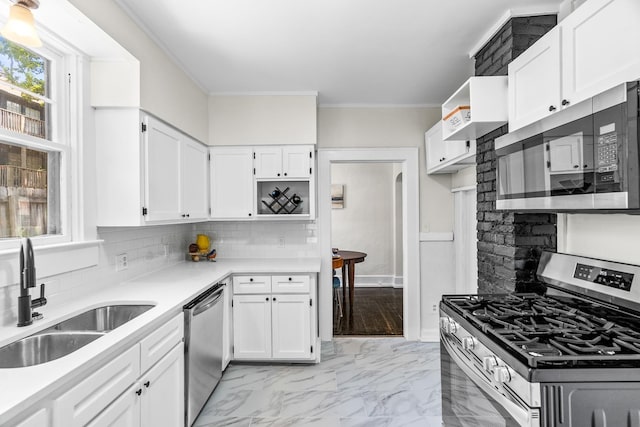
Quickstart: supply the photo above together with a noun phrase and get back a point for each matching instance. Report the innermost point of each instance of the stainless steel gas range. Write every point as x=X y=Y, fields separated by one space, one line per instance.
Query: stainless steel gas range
x=570 y=357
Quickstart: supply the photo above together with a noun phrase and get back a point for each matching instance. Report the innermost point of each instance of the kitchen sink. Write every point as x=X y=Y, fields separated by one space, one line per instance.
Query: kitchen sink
x=68 y=336
x=44 y=347
x=101 y=319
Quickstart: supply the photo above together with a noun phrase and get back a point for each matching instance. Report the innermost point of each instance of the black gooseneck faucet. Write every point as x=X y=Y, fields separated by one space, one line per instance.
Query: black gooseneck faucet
x=28 y=280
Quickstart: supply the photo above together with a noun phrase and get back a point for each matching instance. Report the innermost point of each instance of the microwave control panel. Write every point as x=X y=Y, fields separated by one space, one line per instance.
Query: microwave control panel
x=604 y=276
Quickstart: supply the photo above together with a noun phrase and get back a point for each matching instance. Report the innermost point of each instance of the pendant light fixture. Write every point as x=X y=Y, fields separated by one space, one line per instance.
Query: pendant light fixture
x=20 y=26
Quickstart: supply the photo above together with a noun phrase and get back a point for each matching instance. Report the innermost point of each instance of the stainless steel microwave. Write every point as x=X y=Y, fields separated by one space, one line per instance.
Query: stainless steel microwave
x=579 y=159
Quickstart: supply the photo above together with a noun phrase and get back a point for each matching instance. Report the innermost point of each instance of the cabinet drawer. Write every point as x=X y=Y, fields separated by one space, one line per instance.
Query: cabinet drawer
x=251 y=284
x=160 y=342
x=83 y=402
x=291 y=284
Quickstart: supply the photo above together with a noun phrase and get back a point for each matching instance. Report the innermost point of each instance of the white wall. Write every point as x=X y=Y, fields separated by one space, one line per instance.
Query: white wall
x=353 y=127
x=366 y=223
x=262 y=119
x=464 y=178
x=165 y=90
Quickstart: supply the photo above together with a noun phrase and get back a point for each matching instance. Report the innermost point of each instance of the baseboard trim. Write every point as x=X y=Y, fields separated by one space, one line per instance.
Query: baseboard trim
x=430 y=335
x=373 y=281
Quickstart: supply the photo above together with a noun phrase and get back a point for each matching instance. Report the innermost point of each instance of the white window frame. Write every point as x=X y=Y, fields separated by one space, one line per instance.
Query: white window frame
x=65 y=100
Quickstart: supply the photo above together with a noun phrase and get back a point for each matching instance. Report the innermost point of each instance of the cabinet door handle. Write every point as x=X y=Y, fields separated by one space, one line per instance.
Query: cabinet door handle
x=266 y=299
x=187 y=215
x=274 y=298
x=147 y=384
x=249 y=214
x=285 y=174
x=183 y=215
x=139 y=391
x=552 y=108
x=278 y=174
x=251 y=279
x=289 y=278
x=576 y=166
x=565 y=102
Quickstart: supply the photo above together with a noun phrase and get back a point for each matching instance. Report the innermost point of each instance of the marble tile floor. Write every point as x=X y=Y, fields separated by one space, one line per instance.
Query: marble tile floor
x=386 y=382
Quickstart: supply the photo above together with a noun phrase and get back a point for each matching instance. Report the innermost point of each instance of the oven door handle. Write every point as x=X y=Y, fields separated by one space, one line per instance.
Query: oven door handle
x=525 y=417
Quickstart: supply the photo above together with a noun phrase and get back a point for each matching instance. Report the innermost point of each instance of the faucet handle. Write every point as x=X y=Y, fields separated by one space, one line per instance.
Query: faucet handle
x=39 y=302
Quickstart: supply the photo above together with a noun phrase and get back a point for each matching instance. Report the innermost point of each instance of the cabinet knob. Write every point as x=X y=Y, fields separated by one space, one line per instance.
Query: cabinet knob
x=278 y=174
x=290 y=279
x=183 y=215
x=576 y=166
x=249 y=214
x=274 y=298
x=147 y=384
x=565 y=102
x=139 y=391
x=552 y=108
x=251 y=279
x=266 y=299
x=187 y=215
x=285 y=174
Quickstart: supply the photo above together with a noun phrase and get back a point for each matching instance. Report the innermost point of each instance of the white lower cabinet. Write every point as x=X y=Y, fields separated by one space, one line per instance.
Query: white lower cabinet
x=124 y=392
x=38 y=419
x=278 y=324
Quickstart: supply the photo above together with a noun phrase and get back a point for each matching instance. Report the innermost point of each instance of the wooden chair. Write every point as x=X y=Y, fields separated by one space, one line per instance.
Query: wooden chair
x=338 y=262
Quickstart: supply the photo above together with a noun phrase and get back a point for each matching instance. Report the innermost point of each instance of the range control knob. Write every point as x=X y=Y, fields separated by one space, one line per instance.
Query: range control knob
x=489 y=363
x=502 y=374
x=469 y=343
x=448 y=325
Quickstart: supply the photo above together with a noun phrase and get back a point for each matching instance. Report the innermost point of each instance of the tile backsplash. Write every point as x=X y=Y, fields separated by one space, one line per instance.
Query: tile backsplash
x=152 y=248
x=272 y=239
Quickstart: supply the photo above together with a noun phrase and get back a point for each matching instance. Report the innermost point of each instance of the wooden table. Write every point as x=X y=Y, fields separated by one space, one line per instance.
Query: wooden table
x=350 y=259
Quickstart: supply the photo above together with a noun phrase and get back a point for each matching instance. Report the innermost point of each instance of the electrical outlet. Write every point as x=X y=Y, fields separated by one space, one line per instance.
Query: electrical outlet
x=434 y=308
x=281 y=242
x=122 y=263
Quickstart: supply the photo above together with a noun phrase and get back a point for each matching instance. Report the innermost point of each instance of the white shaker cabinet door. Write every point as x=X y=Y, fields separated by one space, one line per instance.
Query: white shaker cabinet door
x=268 y=162
x=195 y=173
x=251 y=327
x=297 y=161
x=162 y=402
x=534 y=81
x=124 y=412
x=291 y=328
x=162 y=171
x=600 y=44
x=231 y=177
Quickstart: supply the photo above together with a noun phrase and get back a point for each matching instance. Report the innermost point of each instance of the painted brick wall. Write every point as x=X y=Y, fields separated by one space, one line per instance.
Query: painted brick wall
x=509 y=244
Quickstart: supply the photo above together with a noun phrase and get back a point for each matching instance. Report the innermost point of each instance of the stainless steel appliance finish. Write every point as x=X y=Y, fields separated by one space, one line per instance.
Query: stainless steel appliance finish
x=570 y=357
x=583 y=158
x=203 y=349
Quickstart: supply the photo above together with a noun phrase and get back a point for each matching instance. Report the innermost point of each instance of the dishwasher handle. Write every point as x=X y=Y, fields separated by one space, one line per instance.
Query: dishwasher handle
x=207 y=303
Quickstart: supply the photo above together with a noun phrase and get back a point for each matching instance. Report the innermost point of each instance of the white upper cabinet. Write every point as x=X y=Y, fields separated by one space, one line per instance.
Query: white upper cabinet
x=231 y=182
x=600 y=45
x=486 y=99
x=194 y=178
x=162 y=183
x=589 y=52
x=293 y=161
x=147 y=171
x=447 y=156
x=534 y=81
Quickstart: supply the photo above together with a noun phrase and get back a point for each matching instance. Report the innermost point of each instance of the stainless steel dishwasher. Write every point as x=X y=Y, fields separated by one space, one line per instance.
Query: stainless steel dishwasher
x=203 y=348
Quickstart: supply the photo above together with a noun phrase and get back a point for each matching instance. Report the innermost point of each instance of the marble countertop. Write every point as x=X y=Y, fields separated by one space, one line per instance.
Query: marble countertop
x=169 y=289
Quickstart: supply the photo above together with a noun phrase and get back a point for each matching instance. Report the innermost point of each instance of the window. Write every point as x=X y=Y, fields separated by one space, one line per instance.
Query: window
x=33 y=145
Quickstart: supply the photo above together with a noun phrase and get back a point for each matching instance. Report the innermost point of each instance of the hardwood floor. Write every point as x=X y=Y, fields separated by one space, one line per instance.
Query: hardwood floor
x=376 y=311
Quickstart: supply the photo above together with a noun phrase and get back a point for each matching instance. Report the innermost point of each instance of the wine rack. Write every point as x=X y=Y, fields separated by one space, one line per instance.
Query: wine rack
x=281 y=203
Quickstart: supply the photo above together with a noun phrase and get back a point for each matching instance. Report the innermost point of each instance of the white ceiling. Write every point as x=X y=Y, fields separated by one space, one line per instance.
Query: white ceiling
x=392 y=52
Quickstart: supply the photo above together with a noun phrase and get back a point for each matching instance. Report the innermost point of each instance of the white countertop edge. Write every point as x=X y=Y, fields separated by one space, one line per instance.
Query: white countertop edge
x=169 y=288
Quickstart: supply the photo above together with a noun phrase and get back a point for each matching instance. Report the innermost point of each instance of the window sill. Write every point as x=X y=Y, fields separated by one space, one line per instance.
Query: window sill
x=51 y=260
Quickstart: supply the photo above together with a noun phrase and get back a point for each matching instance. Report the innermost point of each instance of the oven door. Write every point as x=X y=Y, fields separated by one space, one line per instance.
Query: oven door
x=470 y=400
